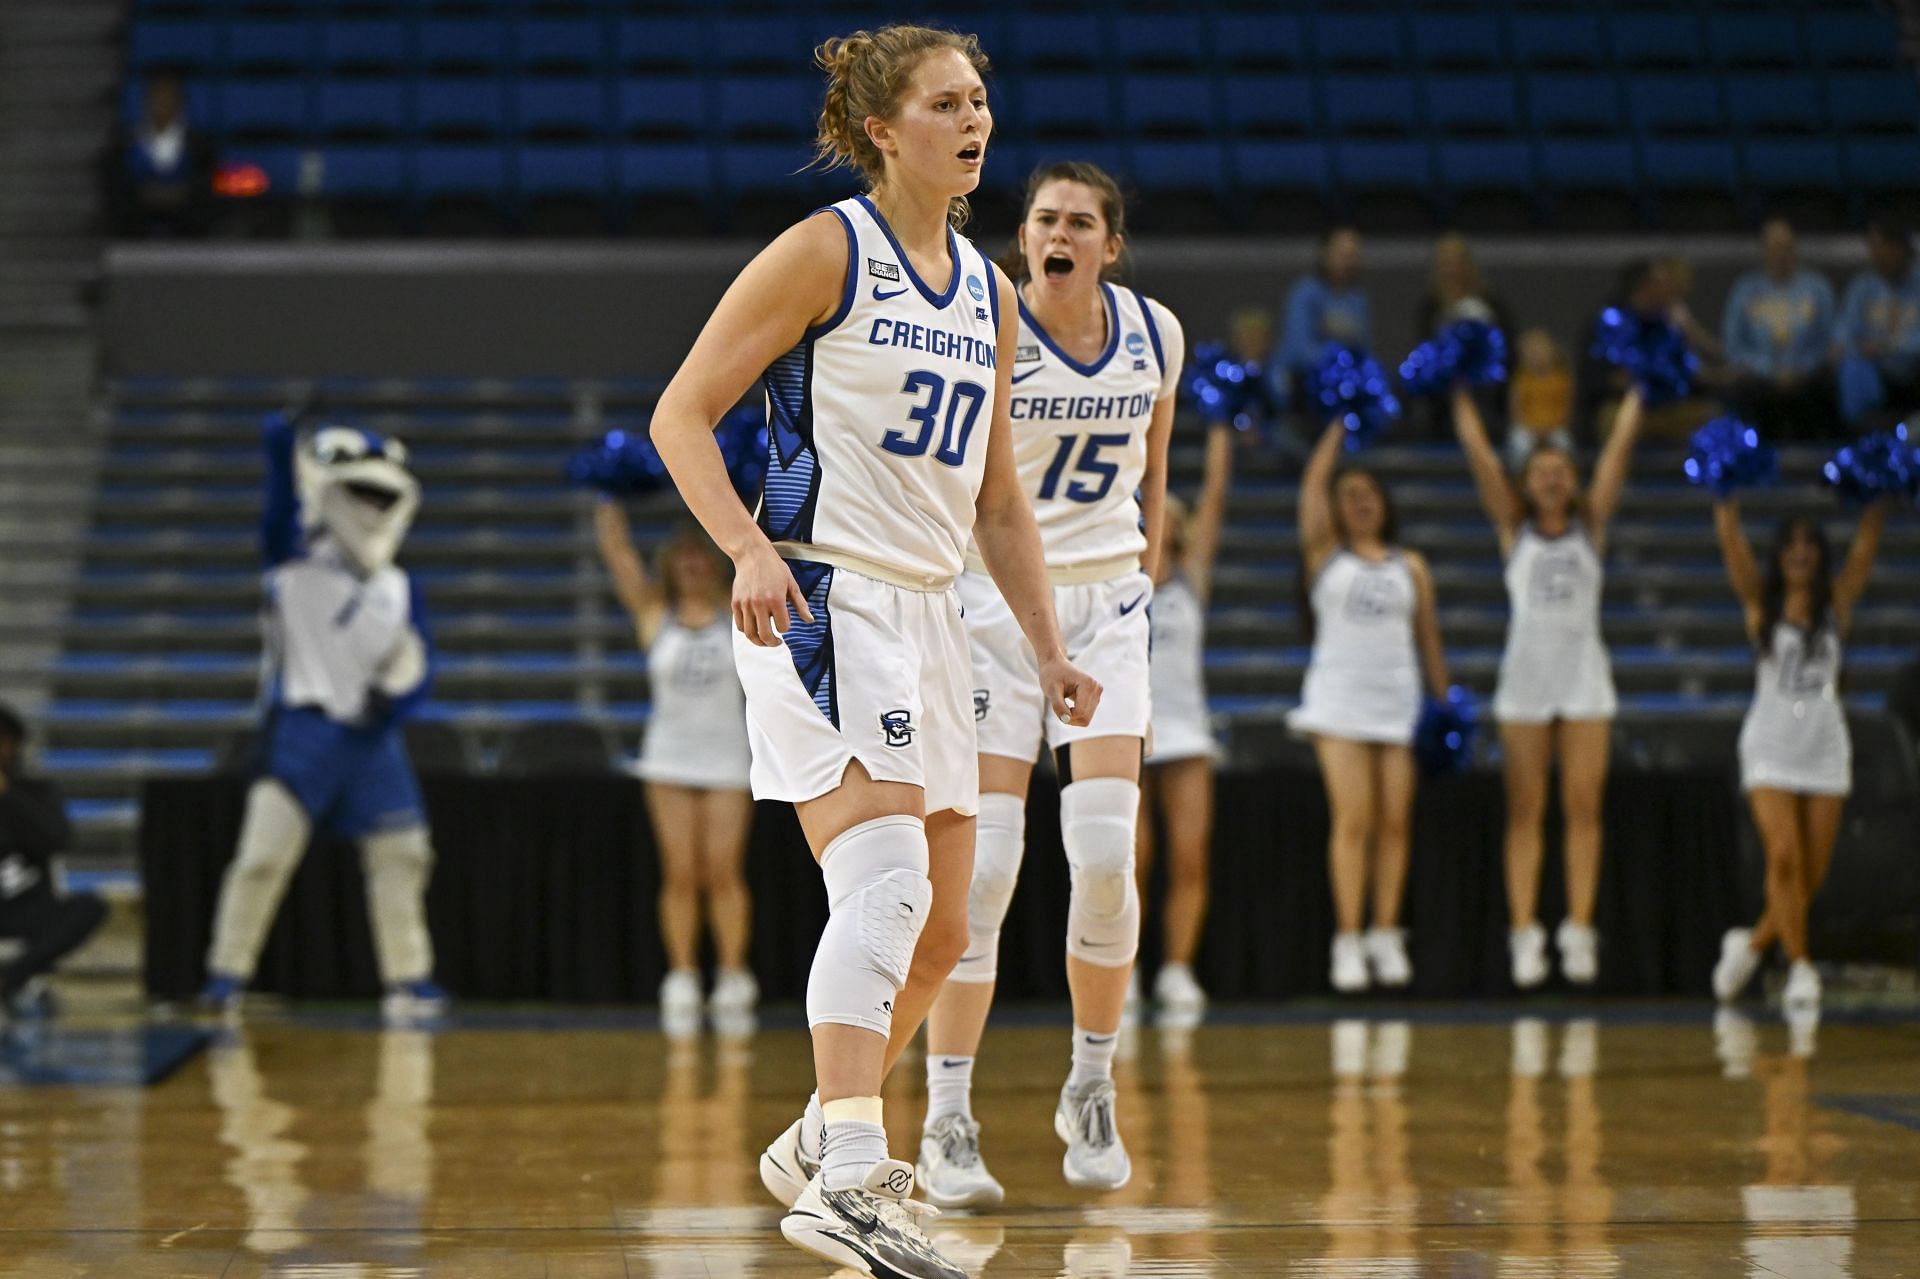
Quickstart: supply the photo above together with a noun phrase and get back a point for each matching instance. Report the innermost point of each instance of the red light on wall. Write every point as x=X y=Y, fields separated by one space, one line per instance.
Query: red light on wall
x=240 y=181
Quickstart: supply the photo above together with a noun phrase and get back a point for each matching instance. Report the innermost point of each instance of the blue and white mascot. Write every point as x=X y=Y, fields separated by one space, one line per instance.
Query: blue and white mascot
x=347 y=661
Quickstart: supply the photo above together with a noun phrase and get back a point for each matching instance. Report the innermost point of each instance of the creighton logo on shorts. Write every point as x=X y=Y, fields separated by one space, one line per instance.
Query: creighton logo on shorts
x=898 y=726
x=982 y=703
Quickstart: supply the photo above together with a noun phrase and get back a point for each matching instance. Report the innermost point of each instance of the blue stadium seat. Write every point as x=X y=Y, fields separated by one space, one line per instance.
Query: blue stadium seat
x=1750 y=39
x=775 y=167
x=1556 y=40
x=1167 y=103
x=353 y=105
x=1266 y=104
x=573 y=106
x=270 y=44
x=1280 y=166
x=1458 y=39
x=1883 y=164
x=367 y=44
x=1488 y=165
x=1860 y=101
x=1574 y=102
x=1472 y=104
x=464 y=43
x=187 y=44
x=768 y=106
x=560 y=44
x=1570 y=164
x=1179 y=166
x=1177 y=39
x=1359 y=39
x=1382 y=165
x=461 y=106
x=1858 y=39
x=1064 y=103
x=1772 y=102
x=373 y=171
x=660 y=40
x=1657 y=39
x=474 y=170
x=259 y=107
x=570 y=169
x=1690 y=165
x=1812 y=164
x=1263 y=40
x=749 y=39
x=681 y=168
x=1675 y=103
x=662 y=106
x=1370 y=103
x=1056 y=39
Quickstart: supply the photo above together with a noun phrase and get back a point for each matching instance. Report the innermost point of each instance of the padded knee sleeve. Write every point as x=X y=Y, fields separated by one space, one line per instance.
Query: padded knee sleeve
x=878 y=894
x=999 y=840
x=397 y=864
x=273 y=835
x=1097 y=819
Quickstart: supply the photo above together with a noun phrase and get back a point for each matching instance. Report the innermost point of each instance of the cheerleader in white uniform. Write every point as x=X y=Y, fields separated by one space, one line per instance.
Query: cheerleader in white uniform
x=1555 y=697
x=886 y=344
x=1375 y=634
x=1181 y=751
x=694 y=759
x=1796 y=760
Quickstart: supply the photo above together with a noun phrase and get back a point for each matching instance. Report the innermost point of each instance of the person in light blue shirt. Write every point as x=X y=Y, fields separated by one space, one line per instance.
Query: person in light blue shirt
x=1327 y=306
x=1778 y=332
x=1879 y=338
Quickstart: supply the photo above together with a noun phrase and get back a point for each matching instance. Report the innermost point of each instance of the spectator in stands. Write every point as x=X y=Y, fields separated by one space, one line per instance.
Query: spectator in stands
x=43 y=924
x=1327 y=306
x=1777 y=331
x=1456 y=291
x=160 y=180
x=1653 y=289
x=1879 y=340
x=1541 y=399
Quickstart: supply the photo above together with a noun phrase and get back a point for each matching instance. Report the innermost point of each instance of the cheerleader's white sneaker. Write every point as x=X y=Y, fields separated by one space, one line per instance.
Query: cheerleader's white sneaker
x=1738 y=963
x=1579 y=952
x=1803 y=988
x=1387 y=953
x=1528 y=949
x=1349 y=963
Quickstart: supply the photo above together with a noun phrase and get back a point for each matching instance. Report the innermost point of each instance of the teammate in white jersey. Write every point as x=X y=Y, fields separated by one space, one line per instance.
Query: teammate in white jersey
x=347 y=664
x=1094 y=378
x=1182 y=750
x=1795 y=755
x=694 y=761
x=1375 y=635
x=887 y=343
x=1555 y=696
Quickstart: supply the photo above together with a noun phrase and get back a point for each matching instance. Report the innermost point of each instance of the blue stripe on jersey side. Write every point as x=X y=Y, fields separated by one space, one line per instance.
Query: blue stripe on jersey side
x=938 y=300
x=811 y=643
x=993 y=288
x=1046 y=340
x=833 y=321
x=793 y=467
x=1153 y=330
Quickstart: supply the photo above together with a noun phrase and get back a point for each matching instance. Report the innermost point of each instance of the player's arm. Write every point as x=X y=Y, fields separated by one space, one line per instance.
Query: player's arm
x=632 y=585
x=1009 y=539
x=1153 y=481
x=403 y=680
x=1610 y=474
x=1852 y=582
x=1210 y=510
x=794 y=283
x=1426 y=626
x=1316 y=498
x=1737 y=554
x=1489 y=477
x=280 y=516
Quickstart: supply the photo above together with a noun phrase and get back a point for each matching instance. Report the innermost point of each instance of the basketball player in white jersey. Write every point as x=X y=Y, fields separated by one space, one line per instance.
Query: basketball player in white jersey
x=886 y=342
x=1555 y=696
x=1094 y=379
x=694 y=761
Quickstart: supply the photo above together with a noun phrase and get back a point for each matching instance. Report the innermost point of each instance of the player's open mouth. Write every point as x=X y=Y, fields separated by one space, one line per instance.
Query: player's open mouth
x=1057 y=266
x=971 y=152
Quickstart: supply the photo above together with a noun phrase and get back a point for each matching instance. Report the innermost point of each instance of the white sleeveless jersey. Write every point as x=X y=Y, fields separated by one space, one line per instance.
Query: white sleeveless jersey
x=1080 y=430
x=1363 y=679
x=1555 y=665
x=1795 y=735
x=697 y=732
x=878 y=419
x=1177 y=673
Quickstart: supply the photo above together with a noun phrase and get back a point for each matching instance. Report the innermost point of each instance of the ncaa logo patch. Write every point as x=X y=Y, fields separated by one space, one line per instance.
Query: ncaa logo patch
x=1136 y=345
x=883 y=270
x=898 y=727
x=976 y=289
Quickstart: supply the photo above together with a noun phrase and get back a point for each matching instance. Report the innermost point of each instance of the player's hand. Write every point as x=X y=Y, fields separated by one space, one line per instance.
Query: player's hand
x=763 y=590
x=1072 y=693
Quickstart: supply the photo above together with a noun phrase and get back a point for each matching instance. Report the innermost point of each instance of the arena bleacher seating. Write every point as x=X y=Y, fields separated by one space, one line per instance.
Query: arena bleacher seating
x=603 y=116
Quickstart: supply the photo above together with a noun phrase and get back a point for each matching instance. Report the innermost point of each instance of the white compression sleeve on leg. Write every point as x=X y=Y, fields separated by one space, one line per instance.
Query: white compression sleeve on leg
x=273 y=835
x=999 y=839
x=879 y=895
x=1097 y=819
x=396 y=864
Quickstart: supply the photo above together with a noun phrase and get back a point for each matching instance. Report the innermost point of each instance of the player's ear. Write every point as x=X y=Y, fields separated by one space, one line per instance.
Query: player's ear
x=1115 y=244
x=880 y=133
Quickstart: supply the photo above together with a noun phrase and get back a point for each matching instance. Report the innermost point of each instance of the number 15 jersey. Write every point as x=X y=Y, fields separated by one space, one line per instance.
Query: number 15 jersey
x=877 y=421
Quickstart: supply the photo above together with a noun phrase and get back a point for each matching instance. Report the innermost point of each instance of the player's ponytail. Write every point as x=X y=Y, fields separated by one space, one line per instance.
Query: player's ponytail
x=867 y=72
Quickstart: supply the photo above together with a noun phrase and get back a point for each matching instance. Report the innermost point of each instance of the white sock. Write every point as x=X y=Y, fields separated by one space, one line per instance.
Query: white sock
x=949 y=1086
x=854 y=1142
x=1092 y=1056
x=812 y=1128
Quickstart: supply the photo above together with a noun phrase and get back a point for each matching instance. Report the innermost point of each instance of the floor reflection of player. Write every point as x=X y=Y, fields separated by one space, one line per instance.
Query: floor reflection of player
x=1798 y=1224
x=1582 y=1204
x=265 y=1166
x=1371 y=1204
x=703 y=1173
x=398 y=1151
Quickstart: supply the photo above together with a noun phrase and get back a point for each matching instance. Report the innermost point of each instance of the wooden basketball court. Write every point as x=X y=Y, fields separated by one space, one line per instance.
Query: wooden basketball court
x=1515 y=1142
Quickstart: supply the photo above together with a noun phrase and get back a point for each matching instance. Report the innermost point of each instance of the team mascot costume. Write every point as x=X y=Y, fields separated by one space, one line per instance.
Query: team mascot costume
x=347 y=662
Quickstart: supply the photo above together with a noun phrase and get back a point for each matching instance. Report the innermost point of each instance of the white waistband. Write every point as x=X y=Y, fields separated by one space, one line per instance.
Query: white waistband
x=1074 y=574
x=860 y=564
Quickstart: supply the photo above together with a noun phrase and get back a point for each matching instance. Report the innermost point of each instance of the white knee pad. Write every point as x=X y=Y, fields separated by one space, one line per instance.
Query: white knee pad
x=879 y=896
x=999 y=840
x=1097 y=819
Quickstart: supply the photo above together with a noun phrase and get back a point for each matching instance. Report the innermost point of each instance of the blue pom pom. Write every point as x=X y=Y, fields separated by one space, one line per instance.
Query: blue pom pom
x=1350 y=387
x=1653 y=353
x=1222 y=388
x=1882 y=465
x=622 y=463
x=1443 y=739
x=742 y=435
x=1728 y=454
x=1470 y=352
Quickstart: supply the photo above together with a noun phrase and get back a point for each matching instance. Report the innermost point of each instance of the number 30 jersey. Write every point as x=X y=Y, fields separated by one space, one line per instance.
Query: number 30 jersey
x=877 y=421
x=1080 y=430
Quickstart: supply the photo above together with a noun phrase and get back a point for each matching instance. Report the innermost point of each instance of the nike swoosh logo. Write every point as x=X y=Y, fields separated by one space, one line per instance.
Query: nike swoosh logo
x=1092 y=1040
x=1128 y=608
x=1085 y=942
x=1021 y=377
x=950 y=1063
x=878 y=296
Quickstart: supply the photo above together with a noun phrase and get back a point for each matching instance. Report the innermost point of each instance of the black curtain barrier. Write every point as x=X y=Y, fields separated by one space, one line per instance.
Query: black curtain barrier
x=544 y=889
